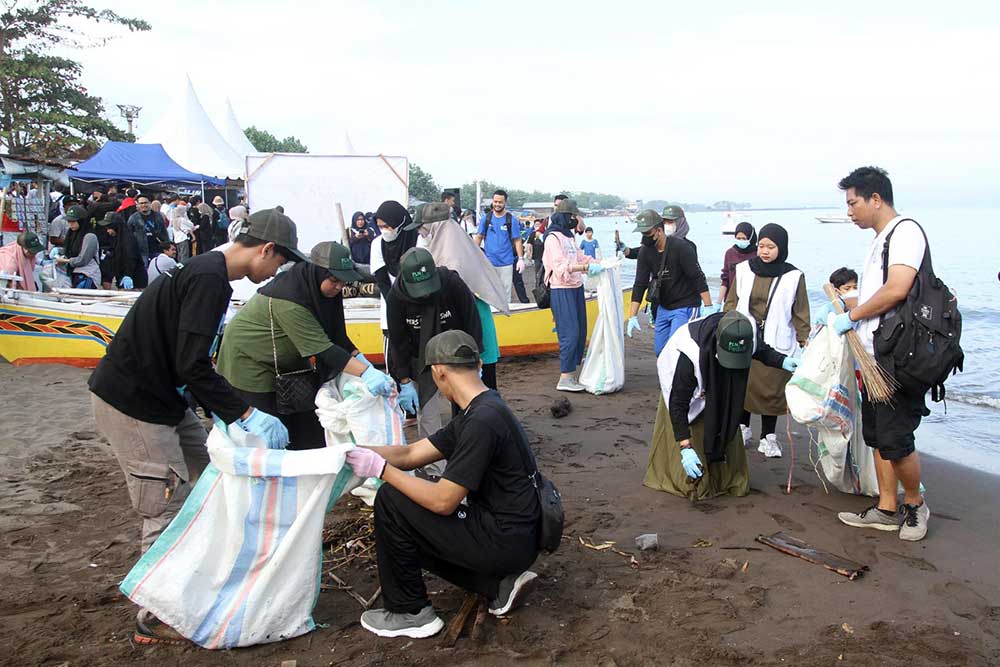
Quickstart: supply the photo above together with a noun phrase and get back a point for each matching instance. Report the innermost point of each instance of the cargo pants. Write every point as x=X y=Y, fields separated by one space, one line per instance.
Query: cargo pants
x=161 y=463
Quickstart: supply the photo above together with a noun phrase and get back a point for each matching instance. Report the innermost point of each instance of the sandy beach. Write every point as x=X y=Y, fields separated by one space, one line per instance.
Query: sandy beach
x=710 y=595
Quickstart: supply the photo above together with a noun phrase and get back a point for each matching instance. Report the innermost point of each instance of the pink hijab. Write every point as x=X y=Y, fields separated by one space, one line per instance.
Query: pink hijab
x=13 y=261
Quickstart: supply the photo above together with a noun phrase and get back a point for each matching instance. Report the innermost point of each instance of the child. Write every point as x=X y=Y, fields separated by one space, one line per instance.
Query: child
x=589 y=245
x=845 y=281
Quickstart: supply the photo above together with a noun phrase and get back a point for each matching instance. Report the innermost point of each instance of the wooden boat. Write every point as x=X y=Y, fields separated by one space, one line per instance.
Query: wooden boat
x=74 y=327
x=833 y=220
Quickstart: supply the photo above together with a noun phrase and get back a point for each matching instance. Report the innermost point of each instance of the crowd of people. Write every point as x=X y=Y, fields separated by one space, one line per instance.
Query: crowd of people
x=471 y=513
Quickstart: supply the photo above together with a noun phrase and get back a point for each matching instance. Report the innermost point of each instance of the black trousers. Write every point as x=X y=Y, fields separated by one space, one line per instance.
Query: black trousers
x=304 y=429
x=767 y=422
x=518 y=281
x=457 y=548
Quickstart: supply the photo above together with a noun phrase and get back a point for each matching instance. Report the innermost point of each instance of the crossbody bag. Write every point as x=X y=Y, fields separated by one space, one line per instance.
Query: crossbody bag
x=294 y=391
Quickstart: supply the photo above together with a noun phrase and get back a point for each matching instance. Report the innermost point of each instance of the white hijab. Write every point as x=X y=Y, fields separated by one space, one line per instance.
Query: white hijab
x=450 y=246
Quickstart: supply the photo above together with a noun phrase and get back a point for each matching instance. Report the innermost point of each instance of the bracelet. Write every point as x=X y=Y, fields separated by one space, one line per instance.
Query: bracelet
x=384 y=464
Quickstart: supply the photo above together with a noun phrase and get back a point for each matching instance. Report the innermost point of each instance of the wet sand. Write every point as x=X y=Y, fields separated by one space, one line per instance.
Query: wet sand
x=68 y=536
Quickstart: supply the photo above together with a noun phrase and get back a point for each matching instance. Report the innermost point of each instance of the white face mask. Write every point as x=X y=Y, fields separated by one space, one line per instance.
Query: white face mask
x=668 y=230
x=390 y=235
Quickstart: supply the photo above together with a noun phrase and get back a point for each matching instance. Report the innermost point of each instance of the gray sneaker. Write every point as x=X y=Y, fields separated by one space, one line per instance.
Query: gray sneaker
x=569 y=384
x=512 y=589
x=870 y=518
x=914 y=526
x=385 y=623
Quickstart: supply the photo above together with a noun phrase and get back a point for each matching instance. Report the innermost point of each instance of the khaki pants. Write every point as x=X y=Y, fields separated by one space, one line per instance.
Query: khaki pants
x=429 y=422
x=161 y=463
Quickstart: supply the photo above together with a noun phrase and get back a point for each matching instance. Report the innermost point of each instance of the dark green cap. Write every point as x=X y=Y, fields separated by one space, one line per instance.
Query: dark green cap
x=734 y=341
x=30 y=242
x=673 y=213
x=273 y=225
x=336 y=259
x=76 y=213
x=451 y=347
x=418 y=273
x=567 y=206
x=646 y=220
x=109 y=217
x=434 y=211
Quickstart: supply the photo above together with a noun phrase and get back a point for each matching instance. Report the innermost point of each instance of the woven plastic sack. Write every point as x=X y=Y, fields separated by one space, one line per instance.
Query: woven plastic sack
x=603 y=370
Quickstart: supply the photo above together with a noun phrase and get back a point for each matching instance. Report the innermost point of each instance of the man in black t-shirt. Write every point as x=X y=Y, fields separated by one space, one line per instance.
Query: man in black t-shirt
x=163 y=347
x=485 y=546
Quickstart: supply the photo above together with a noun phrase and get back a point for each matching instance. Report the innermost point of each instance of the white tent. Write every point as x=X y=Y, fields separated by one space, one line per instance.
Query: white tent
x=190 y=138
x=231 y=131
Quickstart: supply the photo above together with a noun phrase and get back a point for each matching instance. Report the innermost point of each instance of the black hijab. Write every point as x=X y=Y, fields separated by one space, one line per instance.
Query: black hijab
x=394 y=215
x=725 y=389
x=74 y=239
x=779 y=266
x=561 y=223
x=300 y=284
x=751 y=233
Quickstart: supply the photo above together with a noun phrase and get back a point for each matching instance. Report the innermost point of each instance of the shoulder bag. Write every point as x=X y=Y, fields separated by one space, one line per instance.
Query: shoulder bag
x=295 y=391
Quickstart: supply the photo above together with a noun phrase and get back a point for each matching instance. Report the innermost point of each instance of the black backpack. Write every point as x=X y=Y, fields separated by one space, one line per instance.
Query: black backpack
x=919 y=342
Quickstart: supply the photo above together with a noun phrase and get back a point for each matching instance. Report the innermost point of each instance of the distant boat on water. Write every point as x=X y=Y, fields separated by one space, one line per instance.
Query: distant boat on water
x=833 y=220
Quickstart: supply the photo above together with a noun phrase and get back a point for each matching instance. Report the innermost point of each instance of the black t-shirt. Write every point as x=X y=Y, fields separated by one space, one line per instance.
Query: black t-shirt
x=165 y=342
x=483 y=456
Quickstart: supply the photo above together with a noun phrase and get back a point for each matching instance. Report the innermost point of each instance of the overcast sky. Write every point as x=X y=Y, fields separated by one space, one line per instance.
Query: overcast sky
x=770 y=105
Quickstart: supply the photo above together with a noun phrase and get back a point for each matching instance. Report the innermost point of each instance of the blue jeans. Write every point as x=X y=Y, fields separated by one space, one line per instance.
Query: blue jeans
x=570 y=311
x=667 y=324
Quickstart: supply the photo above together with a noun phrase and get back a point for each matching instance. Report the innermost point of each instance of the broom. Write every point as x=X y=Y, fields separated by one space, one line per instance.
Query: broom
x=879 y=384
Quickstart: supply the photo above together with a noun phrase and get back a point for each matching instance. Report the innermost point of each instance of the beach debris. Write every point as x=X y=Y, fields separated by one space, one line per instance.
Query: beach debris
x=647 y=541
x=701 y=543
x=596 y=547
x=795 y=547
x=609 y=546
x=847 y=628
x=561 y=407
x=289 y=663
x=458 y=623
x=746 y=566
x=477 y=626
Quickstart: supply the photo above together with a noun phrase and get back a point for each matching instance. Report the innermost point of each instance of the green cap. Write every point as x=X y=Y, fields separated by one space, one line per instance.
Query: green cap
x=434 y=211
x=76 y=213
x=418 y=273
x=336 y=259
x=109 y=217
x=30 y=242
x=567 y=206
x=451 y=347
x=273 y=225
x=646 y=220
x=734 y=341
x=673 y=213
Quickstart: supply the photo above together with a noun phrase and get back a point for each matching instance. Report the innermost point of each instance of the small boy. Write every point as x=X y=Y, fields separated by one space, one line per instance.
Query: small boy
x=589 y=245
x=845 y=281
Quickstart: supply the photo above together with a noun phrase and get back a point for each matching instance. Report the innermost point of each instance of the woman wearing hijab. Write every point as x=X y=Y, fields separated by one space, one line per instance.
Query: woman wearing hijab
x=387 y=250
x=703 y=369
x=80 y=251
x=773 y=293
x=207 y=218
x=359 y=237
x=744 y=248
x=125 y=262
x=450 y=246
x=297 y=316
x=565 y=265
x=181 y=230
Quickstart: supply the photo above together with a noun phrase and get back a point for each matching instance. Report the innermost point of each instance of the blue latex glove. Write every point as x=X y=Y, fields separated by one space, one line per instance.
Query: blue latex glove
x=126 y=283
x=594 y=268
x=267 y=427
x=408 y=396
x=360 y=357
x=691 y=463
x=633 y=325
x=377 y=382
x=710 y=310
x=843 y=324
x=822 y=313
x=790 y=364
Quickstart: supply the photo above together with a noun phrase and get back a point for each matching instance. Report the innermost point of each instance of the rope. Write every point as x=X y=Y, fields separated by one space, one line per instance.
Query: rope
x=791 y=446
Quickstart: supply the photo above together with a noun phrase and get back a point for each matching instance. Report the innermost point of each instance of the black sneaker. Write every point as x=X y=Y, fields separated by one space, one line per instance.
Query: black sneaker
x=512 y=588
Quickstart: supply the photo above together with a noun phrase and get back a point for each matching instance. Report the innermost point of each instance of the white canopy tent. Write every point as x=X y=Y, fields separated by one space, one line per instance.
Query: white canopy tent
x=232 y=132
x=192 y=140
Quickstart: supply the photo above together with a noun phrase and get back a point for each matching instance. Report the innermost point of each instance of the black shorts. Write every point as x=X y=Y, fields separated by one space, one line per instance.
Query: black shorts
x=889 y=428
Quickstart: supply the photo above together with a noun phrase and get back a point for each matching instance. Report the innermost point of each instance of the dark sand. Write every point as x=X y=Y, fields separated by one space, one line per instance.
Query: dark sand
x=68 y=536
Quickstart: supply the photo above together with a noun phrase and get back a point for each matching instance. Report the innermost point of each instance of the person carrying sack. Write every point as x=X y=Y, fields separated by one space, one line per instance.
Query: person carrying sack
x=485 y=546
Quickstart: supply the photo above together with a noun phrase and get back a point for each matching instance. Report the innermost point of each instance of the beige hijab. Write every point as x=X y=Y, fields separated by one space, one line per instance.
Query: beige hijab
x=450 y=246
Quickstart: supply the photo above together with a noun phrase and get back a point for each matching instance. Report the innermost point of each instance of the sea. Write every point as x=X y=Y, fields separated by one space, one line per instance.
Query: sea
x=961 y=429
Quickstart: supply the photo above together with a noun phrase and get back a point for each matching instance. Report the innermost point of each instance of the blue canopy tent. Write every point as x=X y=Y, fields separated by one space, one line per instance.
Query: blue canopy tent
x=145 y=164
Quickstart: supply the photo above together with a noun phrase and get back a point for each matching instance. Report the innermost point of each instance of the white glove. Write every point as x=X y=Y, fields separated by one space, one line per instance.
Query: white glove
x=520 y=265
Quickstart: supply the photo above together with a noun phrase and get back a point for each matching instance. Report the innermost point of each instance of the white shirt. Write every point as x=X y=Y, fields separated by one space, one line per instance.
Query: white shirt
x=159 y=265
x=906 y=248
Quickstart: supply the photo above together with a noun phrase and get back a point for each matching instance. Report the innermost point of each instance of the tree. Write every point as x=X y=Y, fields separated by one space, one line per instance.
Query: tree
x=422 y=185
x=44 y=110
x=265 y=142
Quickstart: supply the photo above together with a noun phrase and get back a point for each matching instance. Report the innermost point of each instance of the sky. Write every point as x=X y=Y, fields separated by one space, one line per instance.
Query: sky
x=766 y=102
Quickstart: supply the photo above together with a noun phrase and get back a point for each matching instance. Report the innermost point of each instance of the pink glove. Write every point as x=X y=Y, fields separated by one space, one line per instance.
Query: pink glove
x=366 y=463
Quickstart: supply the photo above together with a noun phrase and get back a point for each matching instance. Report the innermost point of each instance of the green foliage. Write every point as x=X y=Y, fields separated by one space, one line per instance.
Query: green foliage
x=44 y=110
x=422 y=185
x=518 y=198
x=265 y=142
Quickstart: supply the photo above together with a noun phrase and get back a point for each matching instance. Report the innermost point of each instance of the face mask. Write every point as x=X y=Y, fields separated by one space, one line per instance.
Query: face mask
x=390 y=235
x=648 y=241
x=668 y=230
x=743 y=245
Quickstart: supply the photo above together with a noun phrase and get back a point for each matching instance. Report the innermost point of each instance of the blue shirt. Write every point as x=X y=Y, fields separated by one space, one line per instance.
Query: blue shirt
x=589 y=248
x=498 y=246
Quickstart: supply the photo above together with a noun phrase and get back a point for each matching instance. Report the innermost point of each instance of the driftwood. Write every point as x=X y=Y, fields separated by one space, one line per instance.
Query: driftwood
x=454 y=628
x=796 y=547
x=477 y=626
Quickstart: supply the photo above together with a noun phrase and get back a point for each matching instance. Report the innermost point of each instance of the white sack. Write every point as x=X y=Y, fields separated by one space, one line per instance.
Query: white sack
x=603 y=369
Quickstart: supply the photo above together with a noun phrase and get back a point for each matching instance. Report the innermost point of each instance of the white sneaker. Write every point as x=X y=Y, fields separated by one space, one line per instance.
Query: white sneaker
x=769 y=446
x=747 y=435
x=569 y=384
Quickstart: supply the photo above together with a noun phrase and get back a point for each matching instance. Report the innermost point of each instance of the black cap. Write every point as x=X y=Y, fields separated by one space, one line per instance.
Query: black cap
x=451 y=347
x=336 y=259
x=418 y=273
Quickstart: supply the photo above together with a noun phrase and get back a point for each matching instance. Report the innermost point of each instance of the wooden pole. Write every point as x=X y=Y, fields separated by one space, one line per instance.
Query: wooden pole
x=343 y=225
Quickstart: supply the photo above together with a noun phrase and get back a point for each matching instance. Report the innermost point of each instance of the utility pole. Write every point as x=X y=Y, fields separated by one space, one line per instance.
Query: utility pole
x=129 y=112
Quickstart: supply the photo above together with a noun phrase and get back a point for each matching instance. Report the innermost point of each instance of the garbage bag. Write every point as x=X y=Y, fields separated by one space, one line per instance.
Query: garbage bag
x=603 y=370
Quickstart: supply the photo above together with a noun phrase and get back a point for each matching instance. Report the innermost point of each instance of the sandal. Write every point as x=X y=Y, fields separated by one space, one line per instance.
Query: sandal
x=151 y=630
